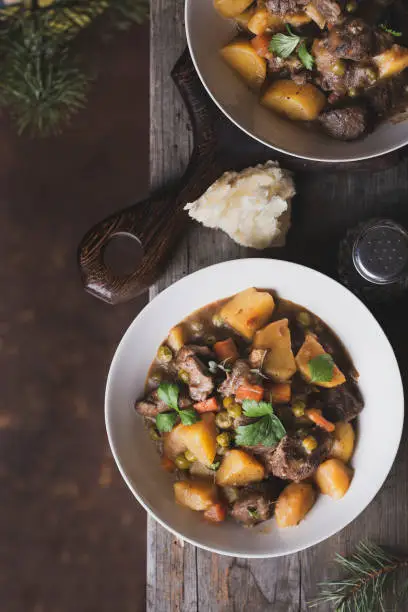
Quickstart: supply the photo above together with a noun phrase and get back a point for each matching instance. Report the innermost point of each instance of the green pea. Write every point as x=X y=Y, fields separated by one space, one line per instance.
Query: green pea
x=235 y=410
x=298 y=408
x=224 y=439
x=190 y=457
x=223 y=420
x=351 y=6
x=339 y=68
x=154 y=434
x=304 y=319
x=182 y=463
x=164 y=354
x=183 y=376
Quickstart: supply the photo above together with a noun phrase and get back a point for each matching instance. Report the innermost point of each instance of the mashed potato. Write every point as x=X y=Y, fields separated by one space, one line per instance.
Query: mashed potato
x=252 y=206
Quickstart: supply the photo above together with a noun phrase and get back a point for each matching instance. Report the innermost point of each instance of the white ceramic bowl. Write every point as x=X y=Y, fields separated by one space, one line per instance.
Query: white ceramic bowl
x=207 y=32
x=369 y=348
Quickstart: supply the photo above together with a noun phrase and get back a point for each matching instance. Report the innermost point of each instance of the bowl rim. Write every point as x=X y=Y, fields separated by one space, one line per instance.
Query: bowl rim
x=140 y=498
x=333 y=160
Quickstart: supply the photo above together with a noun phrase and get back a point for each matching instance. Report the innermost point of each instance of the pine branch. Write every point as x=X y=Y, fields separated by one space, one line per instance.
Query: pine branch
x=42 y=85
x=372 y=572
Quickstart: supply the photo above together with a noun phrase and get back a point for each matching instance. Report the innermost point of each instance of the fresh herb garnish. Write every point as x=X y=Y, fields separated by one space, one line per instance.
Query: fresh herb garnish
x=214 y=466
x=165 y=421
x=168 y=393
x=386 y=28
x=267 y=430
x=321 y=368
x=213 y=366
x=188 y=416
x=305 y=57
x=253 y=513
x=283 y=45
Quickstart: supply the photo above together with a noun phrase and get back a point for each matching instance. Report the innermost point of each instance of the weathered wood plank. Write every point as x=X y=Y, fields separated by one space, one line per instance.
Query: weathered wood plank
x=180 y=577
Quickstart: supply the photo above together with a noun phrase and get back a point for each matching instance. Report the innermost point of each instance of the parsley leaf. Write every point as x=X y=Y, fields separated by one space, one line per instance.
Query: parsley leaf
x=188 y=416
x=283 y=45
x=214 y=466
x=267 y=430
x=321 y=368
x=165 y=421
x=253 y=513
x=386 y=28
x=253 y=408
x=305 y=57
x=168 y=393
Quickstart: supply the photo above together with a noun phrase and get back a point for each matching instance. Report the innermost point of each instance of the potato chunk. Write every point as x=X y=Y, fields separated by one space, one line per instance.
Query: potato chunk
x=279 y=362
x=238 y=468
x=242 y=57
x=310 y=349
x=173 y=442
x=195 y=495
x=333 y=478
x=294 y=503
x=262 y=20
x=201 y=438
x=298 y=102
x=231 y=8
x=392 y=61
x=343 y=445
x=248 y=311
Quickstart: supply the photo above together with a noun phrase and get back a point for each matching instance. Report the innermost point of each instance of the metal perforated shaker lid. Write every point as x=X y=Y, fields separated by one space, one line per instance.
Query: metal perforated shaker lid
x=380 y=252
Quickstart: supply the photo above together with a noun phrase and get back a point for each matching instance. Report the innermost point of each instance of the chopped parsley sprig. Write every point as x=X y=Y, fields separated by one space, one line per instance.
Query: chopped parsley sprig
x=267 y=430
x=165 y=421
x=283 y=45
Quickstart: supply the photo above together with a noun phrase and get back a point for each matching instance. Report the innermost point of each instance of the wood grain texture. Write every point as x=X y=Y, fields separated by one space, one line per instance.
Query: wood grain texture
x=181 y=577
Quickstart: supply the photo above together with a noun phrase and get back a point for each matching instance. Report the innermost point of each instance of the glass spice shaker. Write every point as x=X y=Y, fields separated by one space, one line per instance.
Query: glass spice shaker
x=373 y=260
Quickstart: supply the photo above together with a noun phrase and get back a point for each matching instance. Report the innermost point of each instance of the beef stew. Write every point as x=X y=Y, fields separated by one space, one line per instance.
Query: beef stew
x=252 y=402
x=338 y=64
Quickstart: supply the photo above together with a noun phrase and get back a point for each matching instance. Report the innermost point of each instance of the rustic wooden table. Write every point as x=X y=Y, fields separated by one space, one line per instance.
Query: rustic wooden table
x=179 y=576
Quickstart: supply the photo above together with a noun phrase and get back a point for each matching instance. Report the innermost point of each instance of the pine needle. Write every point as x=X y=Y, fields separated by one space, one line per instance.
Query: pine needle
x=371 y=574
x=42 y=84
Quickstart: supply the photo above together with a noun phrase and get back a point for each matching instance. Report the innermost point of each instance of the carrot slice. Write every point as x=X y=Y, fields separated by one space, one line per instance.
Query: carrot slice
x=281 y=393
x=226 y=349
x=261 y=44
x=216 y=513
x=250 y=392
x=208 y=405
x=167 y=464
x=316 y=416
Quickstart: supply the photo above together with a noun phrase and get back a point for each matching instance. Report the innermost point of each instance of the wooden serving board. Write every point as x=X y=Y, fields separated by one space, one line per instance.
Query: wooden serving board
x=159 y=221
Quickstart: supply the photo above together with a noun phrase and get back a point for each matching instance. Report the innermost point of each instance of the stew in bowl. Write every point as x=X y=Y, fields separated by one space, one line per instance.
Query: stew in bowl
x=212 y=377
x=252 y=402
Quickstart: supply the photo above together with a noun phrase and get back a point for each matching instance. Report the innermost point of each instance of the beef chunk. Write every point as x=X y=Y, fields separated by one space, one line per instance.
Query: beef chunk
x=347 y=123
x=239 y=375
x=388 y=95
x=252 y=508
x=200 y=382
x=330 y=9
x=281 y=7
x=153 y=405
x=353 y=40
x=290 y=461
x=342 y=403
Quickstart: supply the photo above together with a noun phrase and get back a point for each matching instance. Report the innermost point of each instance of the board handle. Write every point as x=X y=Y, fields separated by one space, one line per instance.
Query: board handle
x=157 y=222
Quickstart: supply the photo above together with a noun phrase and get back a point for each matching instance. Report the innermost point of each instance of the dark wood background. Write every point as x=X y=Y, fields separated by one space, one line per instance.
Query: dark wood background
x=186 y=579
x=72 y=538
